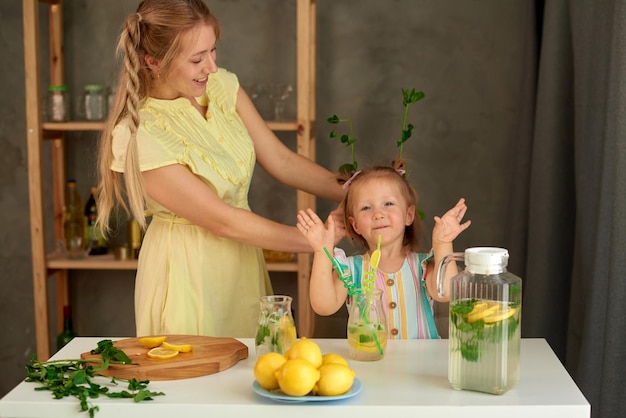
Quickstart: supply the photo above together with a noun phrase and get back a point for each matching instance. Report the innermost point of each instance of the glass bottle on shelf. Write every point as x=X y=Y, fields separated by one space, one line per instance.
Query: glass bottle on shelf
x=92 y=234
x=74 y=242
x=135 y=238
x=93 y=103
x=57 y=107
x=68 y=330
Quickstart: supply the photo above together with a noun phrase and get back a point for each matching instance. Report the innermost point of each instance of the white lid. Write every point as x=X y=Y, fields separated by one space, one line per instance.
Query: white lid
x=486 y=260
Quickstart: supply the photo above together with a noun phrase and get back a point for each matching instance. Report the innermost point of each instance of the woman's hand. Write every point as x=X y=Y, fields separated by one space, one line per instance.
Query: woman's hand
x=318 y=234
x=449 y=226
x=337 y=218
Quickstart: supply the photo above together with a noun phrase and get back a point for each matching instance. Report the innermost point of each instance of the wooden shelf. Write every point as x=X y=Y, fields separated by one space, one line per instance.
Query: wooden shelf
x=57 y=261
x=54 y=127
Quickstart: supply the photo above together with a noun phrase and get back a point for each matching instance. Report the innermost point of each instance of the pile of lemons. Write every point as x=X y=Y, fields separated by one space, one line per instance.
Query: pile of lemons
x=304 y=370
x=161 y=349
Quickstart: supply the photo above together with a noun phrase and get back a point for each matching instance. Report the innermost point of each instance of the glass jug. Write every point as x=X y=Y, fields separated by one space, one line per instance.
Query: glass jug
x=367 y=326
x=485 y=315
x=276 y=330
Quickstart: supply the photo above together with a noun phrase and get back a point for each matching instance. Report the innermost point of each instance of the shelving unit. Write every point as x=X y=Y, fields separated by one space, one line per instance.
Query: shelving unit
x=47 y=265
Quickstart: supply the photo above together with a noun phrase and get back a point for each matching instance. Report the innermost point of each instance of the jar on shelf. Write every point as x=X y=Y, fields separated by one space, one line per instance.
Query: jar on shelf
x=57 y=104
x=94 y=102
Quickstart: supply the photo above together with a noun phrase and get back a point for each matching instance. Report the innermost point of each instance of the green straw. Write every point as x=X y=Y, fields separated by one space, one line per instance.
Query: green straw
x=348 y=283
x=346 y=278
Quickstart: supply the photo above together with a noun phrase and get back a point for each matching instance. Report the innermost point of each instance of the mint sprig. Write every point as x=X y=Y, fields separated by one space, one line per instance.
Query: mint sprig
x=75 y=378
x=409 y=97
x=348 y=140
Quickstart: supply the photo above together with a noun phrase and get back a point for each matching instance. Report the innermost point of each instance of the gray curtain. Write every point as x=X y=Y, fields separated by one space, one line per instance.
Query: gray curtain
x=575 y=243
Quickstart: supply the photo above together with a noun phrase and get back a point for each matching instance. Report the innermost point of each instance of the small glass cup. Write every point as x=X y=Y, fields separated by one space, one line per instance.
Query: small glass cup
x=278 y=94
x=276 y=330
x=367 y=326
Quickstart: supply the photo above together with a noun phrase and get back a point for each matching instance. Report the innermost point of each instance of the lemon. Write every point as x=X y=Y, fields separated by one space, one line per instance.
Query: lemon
x=286 y=332
x=375 y=259
x=481 y=312
x=181 y=348
x=162 y=353
x=499 y=315
x=333 y=358
x=297 y=377
x=335 y=379
x=266 y=367
x=151 y=342
x=307 y=350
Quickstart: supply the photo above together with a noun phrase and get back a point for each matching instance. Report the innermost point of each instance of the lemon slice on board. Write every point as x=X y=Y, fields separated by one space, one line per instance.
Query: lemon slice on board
x=151 y=342
x=181 y=348
x=162 y=353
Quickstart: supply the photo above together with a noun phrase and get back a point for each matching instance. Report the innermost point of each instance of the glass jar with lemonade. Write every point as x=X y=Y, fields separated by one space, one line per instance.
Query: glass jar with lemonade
x=367 y=326
x=276 y=330
x=485 y=315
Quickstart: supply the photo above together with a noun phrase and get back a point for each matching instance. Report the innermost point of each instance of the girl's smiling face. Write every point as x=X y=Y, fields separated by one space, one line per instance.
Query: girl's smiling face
x=379 y=208
x=191 y=68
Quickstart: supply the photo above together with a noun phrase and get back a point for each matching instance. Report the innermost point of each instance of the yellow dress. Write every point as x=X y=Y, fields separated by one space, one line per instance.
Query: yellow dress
x=190 y=281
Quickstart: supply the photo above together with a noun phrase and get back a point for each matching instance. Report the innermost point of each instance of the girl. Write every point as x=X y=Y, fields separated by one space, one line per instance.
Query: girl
x=186 y=138
x=381 y=203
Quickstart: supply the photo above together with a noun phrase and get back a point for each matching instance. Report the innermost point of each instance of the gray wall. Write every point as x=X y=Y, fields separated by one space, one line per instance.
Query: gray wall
x=473 y=59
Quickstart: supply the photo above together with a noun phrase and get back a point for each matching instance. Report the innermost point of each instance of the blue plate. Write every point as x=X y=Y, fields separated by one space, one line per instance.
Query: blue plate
x=279 y=396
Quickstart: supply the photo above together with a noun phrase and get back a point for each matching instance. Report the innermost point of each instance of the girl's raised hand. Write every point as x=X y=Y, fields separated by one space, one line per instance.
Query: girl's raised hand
x=449 y=226
x=318 y=234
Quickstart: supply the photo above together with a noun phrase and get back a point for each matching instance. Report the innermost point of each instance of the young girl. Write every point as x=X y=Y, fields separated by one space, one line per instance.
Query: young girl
x=381 y=203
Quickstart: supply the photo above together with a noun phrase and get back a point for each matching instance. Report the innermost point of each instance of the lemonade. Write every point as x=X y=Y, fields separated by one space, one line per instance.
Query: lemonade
x=367 y=326
x=276 y=330
x=484 y=345
x=367 y=342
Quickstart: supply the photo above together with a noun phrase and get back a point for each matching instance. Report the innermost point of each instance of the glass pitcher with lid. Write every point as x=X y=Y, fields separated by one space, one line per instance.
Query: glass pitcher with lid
x=485 y=315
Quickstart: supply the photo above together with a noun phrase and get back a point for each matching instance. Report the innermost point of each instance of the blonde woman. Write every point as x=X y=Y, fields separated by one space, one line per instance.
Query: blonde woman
x=181 y=144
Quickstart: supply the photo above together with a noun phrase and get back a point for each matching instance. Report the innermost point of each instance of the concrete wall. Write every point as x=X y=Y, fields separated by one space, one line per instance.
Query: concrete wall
x=473 y=59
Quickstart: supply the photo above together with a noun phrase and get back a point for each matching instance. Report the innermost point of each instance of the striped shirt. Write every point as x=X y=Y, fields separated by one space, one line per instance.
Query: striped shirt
x=407 y=305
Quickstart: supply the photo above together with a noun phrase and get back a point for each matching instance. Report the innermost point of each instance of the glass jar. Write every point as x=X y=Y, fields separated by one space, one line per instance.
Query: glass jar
x=367 y=326
x=57 y=104
x=276 y=330
x=485 y=315
x=95 y=102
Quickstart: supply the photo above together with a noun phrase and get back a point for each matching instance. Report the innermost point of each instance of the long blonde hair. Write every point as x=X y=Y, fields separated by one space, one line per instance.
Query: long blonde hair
x=154 y=30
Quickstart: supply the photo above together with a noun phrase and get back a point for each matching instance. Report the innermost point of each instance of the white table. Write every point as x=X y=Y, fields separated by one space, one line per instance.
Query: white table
x=410 y=381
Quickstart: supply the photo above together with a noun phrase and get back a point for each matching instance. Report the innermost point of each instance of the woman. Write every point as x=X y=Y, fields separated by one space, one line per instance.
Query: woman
x=186 y=137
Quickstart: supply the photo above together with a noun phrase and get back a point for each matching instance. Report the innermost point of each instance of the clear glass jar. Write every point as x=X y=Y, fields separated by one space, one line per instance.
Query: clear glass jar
x=485 y=315
x=95 y=102
x=367 y=326
x=57 y=104
x=276 y=330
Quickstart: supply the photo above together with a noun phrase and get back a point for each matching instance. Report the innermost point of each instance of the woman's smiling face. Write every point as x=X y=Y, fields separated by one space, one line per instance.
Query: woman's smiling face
x=191 y=68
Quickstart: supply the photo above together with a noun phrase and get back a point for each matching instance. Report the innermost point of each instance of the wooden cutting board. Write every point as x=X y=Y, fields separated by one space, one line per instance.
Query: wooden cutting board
x=208 y=355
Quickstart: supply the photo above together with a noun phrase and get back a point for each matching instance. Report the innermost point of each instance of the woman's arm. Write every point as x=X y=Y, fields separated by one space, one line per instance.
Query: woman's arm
x=176 y=188
x=283 y=164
